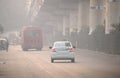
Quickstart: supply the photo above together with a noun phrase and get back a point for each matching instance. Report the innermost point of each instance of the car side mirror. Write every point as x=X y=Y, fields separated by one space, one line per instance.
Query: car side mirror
x=50 y=47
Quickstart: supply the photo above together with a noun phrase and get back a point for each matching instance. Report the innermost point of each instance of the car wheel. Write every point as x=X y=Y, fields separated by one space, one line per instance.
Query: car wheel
x=52 y=60
x=73 y=60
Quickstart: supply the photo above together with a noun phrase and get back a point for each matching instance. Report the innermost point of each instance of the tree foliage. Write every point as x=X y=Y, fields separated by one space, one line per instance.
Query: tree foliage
x=116 y=26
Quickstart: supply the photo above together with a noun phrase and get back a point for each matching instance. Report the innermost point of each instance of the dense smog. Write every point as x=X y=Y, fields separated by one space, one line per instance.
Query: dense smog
x=59 y=38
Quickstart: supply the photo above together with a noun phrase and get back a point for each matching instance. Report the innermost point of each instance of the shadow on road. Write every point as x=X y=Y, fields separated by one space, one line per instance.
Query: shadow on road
x=2 y=73
x=63 y=61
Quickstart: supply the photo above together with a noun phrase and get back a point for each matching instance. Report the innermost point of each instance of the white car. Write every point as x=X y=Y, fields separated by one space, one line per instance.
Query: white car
x=62 y=50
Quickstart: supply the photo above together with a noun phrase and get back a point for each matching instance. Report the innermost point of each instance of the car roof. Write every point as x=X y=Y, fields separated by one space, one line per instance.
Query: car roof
x=62 y=42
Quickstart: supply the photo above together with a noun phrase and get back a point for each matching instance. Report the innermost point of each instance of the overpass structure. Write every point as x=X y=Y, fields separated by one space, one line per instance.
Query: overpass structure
x=74 y=14
x=65 y=15
x=67 y=19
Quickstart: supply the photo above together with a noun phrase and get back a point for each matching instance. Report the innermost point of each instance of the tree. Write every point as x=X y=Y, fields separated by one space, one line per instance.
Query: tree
x=98 y=38
x=116 y=27
x=116 y=33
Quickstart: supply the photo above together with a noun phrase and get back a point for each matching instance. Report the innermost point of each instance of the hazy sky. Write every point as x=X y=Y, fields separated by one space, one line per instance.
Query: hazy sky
x=12 y=13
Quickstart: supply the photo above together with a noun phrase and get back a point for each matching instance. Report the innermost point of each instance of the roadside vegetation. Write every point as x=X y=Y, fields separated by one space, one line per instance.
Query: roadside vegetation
x=97 y=41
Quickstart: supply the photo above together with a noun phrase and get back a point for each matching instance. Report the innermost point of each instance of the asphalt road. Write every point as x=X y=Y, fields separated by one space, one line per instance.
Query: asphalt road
x=36 y=64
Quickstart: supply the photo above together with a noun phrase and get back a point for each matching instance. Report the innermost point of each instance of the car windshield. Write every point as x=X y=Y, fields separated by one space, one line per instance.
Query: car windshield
x=62 y=44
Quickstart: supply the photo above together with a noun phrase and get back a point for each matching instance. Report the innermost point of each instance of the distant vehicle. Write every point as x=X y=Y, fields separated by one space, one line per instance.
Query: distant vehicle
x=31 y=38
x=13 y=39
x=4 y=44
x=62 y=50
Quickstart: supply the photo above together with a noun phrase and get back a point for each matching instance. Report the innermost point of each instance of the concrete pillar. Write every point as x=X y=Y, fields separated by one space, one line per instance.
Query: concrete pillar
x=96 y=14
x=100 y=12
x=64 y=26
x=83 y=14
x=114 y=12
x=58 y=26
x=107 y=17
x=72 y=21
x=112 y=15
x=79 y=24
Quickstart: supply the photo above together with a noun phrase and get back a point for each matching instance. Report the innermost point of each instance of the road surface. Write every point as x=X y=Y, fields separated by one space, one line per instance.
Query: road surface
x=36 y=64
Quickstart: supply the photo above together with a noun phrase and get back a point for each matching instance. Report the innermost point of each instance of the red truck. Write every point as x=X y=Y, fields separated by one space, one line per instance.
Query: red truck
x=31 y=38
